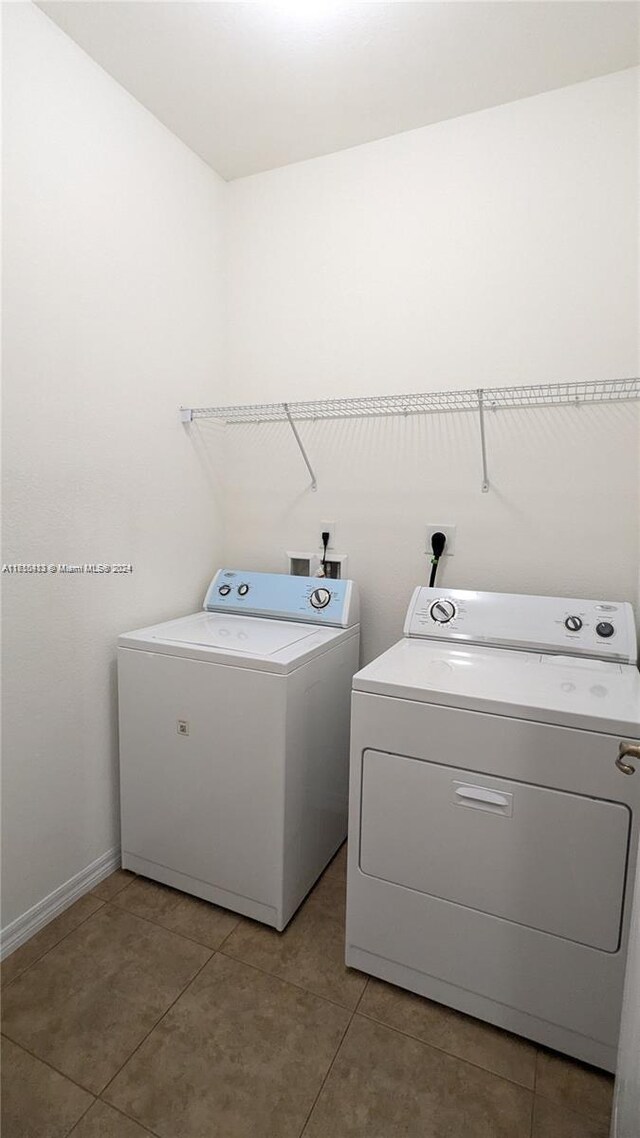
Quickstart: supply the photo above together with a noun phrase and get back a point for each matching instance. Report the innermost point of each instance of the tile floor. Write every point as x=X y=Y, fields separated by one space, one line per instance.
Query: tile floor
x=141 y=1011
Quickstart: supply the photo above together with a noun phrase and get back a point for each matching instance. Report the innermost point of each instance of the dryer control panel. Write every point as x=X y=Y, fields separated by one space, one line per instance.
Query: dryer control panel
x=315 y=600
x=561 y=625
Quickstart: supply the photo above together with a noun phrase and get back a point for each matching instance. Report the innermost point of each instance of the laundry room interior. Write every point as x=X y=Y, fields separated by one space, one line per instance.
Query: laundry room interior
x=321 y=569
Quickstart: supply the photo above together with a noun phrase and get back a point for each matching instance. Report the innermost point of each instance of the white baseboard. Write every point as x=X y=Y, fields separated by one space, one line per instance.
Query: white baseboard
x=39 y=915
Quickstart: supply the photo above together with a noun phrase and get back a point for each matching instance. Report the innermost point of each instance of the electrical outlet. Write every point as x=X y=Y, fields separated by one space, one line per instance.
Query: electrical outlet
x=330 y=528
x=450 y=534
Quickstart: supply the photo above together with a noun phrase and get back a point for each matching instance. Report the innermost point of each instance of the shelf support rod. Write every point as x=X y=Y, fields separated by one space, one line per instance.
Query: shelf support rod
x=483 y=442
x=314 y=484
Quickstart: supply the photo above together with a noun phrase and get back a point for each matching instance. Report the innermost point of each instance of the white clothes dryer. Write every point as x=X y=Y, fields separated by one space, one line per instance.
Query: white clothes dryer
x=494 y=813
x=234 y=741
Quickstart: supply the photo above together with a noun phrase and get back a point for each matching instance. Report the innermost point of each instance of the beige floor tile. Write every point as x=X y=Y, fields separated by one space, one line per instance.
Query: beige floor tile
x=103 y=1121
x=240 y=1055
x=330 y=892
x=310 y=951
x=36 y=1101
x=178 y=912
x=574 y=1085
x=550 y=1120
x=50 y=935
x=111 y=886
x=383 y=1084
x=87 y=1004
x=460 y=1035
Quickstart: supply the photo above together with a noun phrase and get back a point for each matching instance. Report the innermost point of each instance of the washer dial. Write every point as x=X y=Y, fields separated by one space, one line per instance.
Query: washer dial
x=224 y=590
x=605 y=629
x=320 y=598
x=442 y=611
x=243 y=590
x=573 y=623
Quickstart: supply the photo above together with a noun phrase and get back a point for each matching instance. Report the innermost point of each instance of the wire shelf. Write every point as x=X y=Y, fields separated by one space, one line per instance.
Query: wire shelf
x=480 y=399
x=492 y=398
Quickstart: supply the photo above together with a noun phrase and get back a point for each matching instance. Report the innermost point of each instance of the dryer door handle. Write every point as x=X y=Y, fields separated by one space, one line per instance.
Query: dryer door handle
x=627 y=749
x=482 y=794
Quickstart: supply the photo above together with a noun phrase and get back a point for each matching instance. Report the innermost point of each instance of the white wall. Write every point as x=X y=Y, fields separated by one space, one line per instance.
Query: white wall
x=492 y=249
x=112 y=318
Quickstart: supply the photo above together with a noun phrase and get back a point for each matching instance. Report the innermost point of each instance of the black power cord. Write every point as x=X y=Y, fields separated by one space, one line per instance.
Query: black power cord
x=438 y=542
x=325 y=542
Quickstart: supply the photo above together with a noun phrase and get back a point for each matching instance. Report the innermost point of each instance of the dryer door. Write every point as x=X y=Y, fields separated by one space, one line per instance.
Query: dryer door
x=543 y=858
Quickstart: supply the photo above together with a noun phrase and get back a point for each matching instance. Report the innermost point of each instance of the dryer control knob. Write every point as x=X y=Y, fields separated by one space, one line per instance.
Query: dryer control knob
x=605 y=629
x=573 y=623
x=243 y=590
x=443 y=611
x=224 y=590
x=320 y=598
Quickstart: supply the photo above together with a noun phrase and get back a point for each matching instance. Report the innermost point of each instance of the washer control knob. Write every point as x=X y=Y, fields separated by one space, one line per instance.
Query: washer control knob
x=320 y=598
x=573 y=623
x=443 y=611
x=224 y=590
x=605 y=629
x=243 y=590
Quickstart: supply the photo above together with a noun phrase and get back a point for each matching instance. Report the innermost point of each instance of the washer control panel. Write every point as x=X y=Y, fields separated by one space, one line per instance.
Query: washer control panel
x=318 y=600
x=565 y=626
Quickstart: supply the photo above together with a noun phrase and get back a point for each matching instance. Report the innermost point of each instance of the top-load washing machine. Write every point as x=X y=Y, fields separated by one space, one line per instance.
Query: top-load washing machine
x=494 y=812
x=234 y=741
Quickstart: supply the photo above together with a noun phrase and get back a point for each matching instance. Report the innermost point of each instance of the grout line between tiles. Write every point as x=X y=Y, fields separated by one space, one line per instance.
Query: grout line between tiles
x=352 y=1013
x=146 y=1129
x=366 y=985
x=449 y=1054
x=328 y=1072
x=272 y=976
x=163 y=928
x=533 y=1100
x=330 y=1067
x=578 y=1113
x=57 y=942
x=125 y=885
x=185 y=936
x=262 y=971
x=114 y=900
x=105 y=905
x=225 y=939
x=83 y=1115
x=152 y=1028
x=239 y=918
x=47 y=1063
x=292 y=983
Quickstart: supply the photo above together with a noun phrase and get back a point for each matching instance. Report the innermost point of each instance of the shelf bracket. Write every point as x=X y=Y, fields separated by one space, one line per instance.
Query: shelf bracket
x=483 y=442
x=314 y=484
